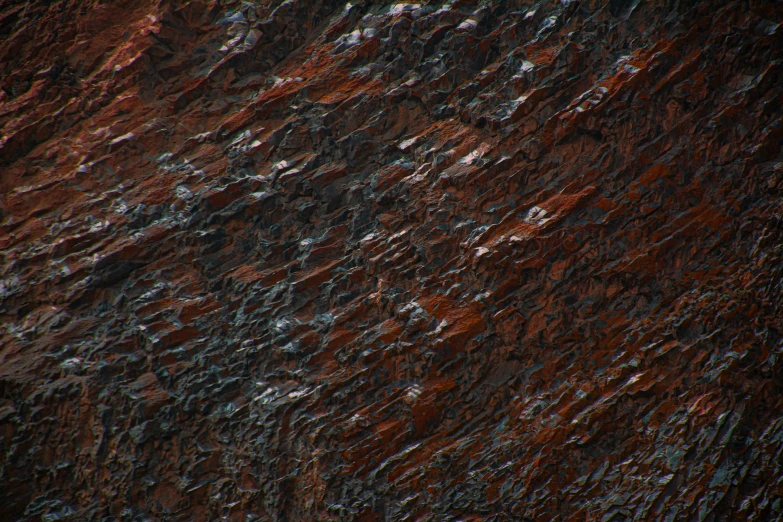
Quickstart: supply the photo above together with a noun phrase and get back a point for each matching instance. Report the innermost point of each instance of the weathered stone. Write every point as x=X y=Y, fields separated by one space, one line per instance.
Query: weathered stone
x=364 y=261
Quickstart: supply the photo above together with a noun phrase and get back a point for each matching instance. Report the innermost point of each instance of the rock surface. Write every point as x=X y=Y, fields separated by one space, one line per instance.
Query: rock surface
x=359 y=261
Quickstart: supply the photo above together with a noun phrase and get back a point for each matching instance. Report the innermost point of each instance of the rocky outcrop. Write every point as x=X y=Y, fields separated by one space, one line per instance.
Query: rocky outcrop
x=360 y=261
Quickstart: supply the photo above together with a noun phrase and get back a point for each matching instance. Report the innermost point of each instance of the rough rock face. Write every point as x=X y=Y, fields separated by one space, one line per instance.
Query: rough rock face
x=360 y=261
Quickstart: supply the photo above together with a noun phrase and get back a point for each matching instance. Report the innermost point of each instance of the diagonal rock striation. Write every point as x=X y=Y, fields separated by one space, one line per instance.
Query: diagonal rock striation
x=462 y=260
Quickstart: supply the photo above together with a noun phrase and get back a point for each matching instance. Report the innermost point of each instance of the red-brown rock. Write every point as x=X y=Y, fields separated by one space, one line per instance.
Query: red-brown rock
x=360 y=261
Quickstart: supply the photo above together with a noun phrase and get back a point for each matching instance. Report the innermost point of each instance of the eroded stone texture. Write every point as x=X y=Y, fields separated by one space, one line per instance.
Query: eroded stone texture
x=362 y=261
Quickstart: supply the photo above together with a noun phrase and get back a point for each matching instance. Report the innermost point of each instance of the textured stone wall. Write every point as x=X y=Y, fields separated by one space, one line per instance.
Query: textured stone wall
x=319 y=260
